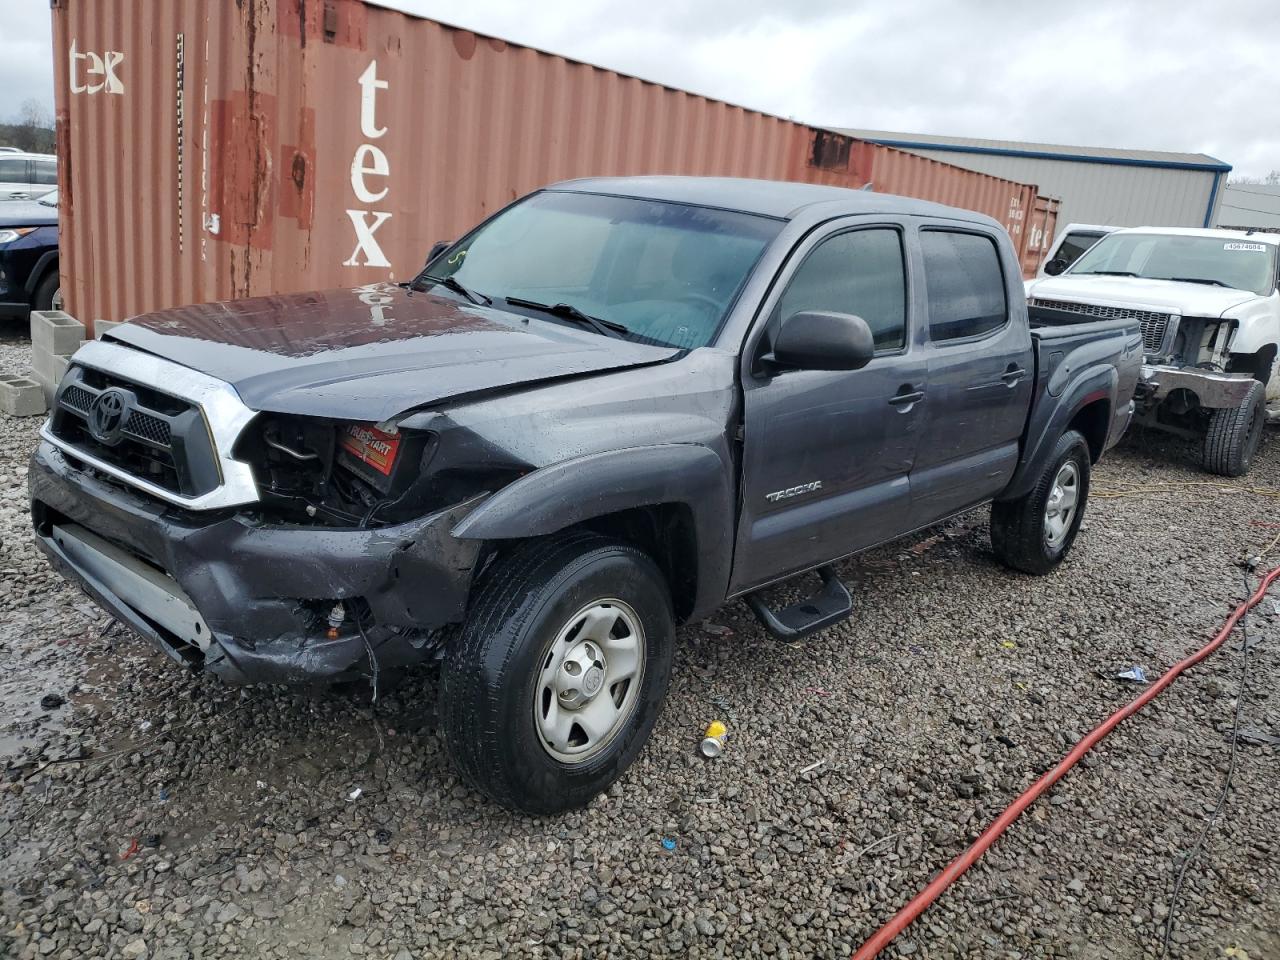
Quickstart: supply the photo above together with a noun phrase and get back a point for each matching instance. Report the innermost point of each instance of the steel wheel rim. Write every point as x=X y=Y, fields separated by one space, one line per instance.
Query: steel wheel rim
x=589 y=681
x=1064 y=500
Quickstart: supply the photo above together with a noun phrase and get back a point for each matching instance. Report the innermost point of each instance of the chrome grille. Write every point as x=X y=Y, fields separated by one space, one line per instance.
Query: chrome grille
x=1154 y=325
x=146 y=445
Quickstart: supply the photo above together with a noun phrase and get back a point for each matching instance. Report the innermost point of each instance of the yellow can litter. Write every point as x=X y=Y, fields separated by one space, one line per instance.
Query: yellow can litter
x=713 y=740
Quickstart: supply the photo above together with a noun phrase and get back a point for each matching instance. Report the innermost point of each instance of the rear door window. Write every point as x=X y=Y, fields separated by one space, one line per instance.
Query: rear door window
x=13 y=169
x=965 y=285
x=46 y=172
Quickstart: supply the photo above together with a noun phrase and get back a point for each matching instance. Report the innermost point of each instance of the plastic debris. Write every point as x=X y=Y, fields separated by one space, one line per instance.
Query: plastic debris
x=668 y=843
x=817 y=691
x=164 y=795
x=813 y=766
x=1256 y=737
x=1134 y=674
x=1008 y=644
x=354 y=794
x=133 y=848
x=713 y=740
x=144 y=726
x=261 y=784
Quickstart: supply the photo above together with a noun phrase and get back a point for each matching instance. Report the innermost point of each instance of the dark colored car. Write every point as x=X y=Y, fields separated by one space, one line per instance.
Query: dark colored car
x=607 y=410
x=29 y=256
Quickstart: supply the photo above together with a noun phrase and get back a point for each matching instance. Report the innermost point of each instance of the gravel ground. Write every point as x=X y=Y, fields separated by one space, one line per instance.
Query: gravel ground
x=198 y=820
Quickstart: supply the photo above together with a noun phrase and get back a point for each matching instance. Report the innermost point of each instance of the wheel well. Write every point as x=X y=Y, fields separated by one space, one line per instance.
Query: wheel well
x=1092 y=421
x=1258 y=363
x=665 y=532
x=38 y=278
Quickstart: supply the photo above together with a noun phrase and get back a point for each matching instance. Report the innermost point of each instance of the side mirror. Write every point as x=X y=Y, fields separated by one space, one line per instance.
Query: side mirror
x=820 y=340
x=437 y=248
x=1056 y=266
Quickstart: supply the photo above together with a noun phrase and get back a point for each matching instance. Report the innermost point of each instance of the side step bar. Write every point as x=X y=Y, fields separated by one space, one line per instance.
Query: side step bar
x=825 y=608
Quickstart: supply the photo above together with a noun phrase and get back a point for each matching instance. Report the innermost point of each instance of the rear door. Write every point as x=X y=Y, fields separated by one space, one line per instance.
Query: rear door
x=980 y=370
x=15 y=178
x=827 y=454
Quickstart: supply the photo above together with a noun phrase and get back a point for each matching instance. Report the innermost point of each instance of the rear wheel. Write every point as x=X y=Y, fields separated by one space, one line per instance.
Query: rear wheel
x=48 y=293
x=1234 y=435
x=556 y=679
x=1034 y=532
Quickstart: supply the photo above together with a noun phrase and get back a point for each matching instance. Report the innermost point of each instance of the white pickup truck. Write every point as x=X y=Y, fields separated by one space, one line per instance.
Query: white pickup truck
x=1209 y=308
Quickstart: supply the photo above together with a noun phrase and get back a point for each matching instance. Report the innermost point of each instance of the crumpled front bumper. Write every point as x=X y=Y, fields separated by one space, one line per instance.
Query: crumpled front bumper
x=260 y=590
x=1214 y=390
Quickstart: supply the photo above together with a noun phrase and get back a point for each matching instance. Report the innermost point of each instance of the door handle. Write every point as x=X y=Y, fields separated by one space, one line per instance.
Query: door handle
x=904 y=399
x=1011 y=377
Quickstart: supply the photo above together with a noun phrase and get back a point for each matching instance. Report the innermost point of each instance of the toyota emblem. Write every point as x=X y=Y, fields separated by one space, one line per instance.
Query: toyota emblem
x=108 y=414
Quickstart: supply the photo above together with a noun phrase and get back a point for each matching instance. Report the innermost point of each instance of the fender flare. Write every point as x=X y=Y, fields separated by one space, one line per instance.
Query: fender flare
x=38 y=271
x=559 y=496
x=1093 y=384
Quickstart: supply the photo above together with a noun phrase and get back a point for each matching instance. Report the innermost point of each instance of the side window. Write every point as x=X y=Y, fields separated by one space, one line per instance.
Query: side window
x=860 y=272
x=965 y=284
x=13 y=169
x=46 y=172
x=1075 y=244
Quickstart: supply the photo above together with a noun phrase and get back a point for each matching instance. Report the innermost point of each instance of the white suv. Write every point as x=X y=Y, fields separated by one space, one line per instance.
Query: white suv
x=27 y=176
x=1209 y=308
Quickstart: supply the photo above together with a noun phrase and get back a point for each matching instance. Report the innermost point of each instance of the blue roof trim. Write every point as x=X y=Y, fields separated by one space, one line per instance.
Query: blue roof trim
x=1213 y=195
x=1216 y=167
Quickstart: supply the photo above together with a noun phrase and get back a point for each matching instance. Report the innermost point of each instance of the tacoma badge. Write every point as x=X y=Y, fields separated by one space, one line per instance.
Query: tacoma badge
x=790 y=492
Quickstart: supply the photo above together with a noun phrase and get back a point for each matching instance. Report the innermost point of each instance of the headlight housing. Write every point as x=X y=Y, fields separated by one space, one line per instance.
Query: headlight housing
x=10 y=234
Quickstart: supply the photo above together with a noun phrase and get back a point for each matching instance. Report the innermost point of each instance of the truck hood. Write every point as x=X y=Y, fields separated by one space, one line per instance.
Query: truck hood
x=372 y=352
x=1161 y=296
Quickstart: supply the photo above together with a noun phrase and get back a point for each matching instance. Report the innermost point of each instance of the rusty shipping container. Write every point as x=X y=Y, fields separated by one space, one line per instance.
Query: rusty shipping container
x=212 y=149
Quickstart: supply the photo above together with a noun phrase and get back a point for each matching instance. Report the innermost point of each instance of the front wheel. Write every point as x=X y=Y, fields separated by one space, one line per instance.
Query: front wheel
x=1034 y=532
x=556 y=679
x=48 y=293
x=1234 y=434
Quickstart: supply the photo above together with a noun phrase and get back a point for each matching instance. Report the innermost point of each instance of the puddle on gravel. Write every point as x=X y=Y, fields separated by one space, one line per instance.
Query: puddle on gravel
x=25 y=723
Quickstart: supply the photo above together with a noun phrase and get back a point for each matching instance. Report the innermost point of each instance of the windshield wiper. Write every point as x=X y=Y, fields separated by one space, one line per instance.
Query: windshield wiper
x=568 y=311
x=1108 y=273
x=454 y=284
x=1206 y=280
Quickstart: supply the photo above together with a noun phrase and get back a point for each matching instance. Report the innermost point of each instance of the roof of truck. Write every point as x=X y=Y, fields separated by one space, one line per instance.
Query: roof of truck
x=770 y=198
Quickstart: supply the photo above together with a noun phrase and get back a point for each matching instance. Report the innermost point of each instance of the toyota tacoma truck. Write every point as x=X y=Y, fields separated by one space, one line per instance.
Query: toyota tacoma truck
x=609 y=409
x=1210 y=315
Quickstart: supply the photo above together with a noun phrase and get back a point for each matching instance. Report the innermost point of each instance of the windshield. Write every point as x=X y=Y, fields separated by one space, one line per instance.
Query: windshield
x=50 y=199
x=1240 y=263
x=667 y=272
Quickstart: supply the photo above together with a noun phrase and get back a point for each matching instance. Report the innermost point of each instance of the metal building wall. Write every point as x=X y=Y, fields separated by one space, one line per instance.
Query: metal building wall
x=213 y=149
x=1119 y=194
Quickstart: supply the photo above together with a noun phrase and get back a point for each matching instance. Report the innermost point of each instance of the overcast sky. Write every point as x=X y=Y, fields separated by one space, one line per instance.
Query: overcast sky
x=1193 y=75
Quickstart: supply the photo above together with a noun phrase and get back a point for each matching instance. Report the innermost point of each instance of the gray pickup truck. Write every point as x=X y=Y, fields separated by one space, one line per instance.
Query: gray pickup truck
x=607 y=410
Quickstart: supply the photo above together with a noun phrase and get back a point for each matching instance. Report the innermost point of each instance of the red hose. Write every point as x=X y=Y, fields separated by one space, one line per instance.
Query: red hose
x=921 y=901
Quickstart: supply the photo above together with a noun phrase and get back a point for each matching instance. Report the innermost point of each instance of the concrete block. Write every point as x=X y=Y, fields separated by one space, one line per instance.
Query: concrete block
x=21 y=396
x=53 y=331
x=103 y=326
x=47 y=386
x=49 y=367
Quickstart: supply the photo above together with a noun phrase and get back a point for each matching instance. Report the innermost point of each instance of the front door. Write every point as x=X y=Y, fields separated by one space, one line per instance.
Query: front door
x=826 y=454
